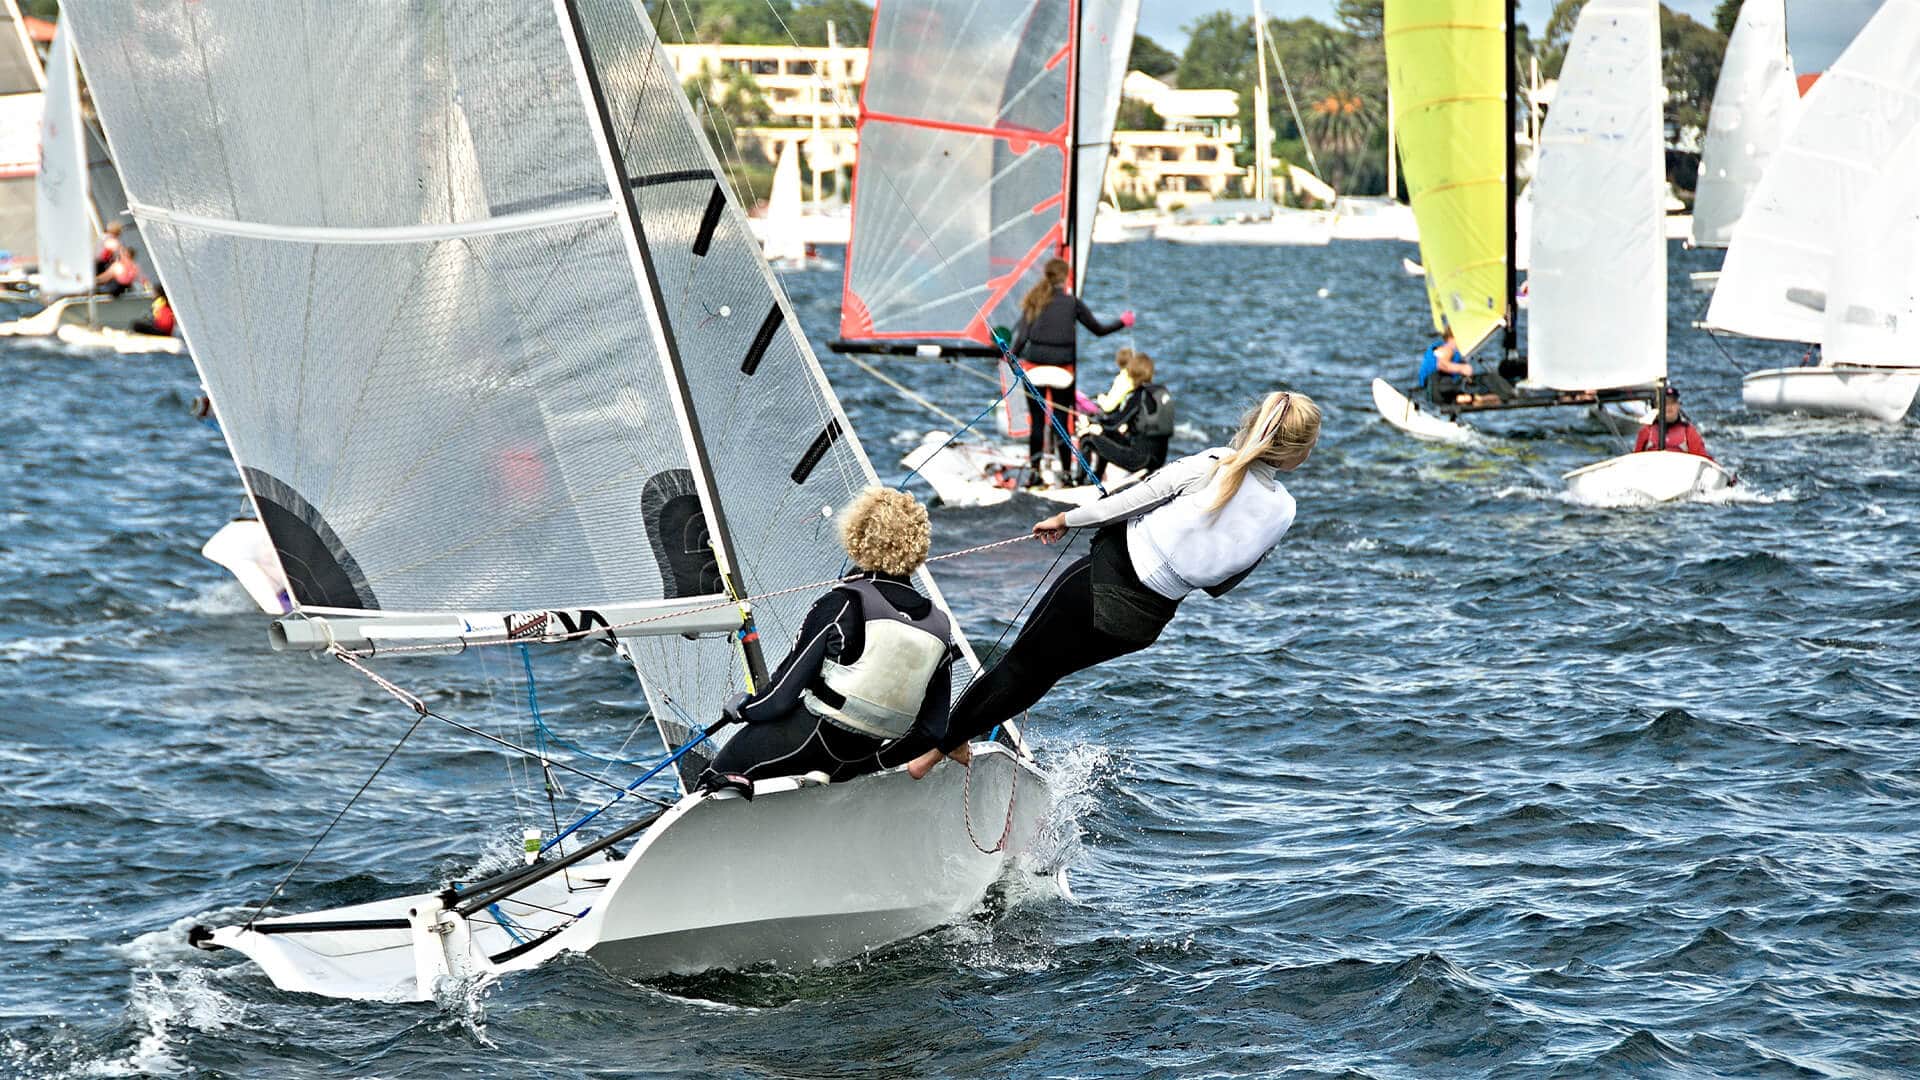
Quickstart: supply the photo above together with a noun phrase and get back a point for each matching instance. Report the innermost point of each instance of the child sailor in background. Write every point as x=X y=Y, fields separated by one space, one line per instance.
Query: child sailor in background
x=1203 y=522
x=160 y=321
x=873 y=662
x=109 y=247
x=1133 y=434
x=120 y=274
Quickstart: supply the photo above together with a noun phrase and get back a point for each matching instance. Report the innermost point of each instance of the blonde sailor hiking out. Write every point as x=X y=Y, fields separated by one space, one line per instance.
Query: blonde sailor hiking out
x=1202 y=522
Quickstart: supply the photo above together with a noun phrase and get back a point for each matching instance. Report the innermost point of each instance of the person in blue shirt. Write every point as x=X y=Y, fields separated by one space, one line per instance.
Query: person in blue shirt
x=1444 y=373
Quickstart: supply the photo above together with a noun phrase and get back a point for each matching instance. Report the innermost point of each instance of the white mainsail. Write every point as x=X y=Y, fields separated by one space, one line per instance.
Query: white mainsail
x=63 y=217
x=1598 y=285
x=1774 y=282
x=1755 y=104
x=21 y=102
x=1100 y=66
x=1873 y=299
x=783 y=239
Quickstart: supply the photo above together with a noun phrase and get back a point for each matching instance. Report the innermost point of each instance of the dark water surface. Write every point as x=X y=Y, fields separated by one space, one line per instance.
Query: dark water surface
x=1470 y=781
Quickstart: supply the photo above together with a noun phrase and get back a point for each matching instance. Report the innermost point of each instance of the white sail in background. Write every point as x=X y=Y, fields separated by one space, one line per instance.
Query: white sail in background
x=1774 y=282
x=1598 y=284
x=1754 y=106
x=21 y=102
x=63 y=217
x=1873 y=300
x=783 y=240
x=1100 y=66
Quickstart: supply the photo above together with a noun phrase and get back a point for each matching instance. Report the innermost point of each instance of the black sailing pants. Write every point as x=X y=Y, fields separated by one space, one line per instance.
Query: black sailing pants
x=1040 y=429
x=801 y=742
x=1059 y=639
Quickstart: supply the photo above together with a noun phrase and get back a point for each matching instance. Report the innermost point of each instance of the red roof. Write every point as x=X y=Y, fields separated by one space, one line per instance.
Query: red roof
x=1807 y=81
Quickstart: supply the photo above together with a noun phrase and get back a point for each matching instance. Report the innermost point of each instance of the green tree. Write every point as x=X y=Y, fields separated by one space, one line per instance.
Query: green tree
x=1219 y=52
x=1726 y=15
x=1148 y=56
x=852 y=21
x=761 y=22
x=1690 y=56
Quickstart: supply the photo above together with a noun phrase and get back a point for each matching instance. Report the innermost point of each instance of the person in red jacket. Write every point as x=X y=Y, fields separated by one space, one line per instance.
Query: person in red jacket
x=1681 y=435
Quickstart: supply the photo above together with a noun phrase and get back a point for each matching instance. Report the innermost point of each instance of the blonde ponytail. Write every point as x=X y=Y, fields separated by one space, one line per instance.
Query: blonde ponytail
x=1279 y=432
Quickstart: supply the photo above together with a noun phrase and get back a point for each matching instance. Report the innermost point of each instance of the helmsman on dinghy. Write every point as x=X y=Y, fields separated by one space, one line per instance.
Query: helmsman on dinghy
x=872 y=666
x=1673 y=431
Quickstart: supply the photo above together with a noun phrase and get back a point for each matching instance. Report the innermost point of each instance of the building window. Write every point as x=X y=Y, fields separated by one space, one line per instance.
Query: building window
x=766 y=67
x=1169 y=153
x=1207 y=153
x=800 y=67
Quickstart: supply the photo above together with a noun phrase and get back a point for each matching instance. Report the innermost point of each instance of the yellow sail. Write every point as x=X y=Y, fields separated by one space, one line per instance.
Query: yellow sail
x=1446 y=64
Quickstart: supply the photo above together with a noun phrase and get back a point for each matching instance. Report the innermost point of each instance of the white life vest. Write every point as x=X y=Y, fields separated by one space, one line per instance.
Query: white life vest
x=1181 y=546
x=880 y=693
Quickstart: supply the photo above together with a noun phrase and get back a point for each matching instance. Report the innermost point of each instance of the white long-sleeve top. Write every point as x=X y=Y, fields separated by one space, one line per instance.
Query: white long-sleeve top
x=1177 y=545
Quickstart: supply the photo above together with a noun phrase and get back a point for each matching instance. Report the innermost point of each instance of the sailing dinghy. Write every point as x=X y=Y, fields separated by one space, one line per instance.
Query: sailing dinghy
x=985 y=129
x=468 y=463
x=1785 y=252
x=783 y=231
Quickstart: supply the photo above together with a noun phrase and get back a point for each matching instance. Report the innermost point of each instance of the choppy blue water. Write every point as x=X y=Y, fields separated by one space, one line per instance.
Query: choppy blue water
x=1472 y=781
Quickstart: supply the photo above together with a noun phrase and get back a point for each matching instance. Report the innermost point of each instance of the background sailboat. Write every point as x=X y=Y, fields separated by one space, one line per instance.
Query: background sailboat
x=21 y=101
x=1781 y=263
x=1755 y=104
x=467 y=461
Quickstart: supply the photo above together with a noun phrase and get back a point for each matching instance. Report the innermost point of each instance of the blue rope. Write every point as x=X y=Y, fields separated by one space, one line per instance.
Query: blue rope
x=951 y=439
x=543 y=734
x=699 y=736
x=1052 y=417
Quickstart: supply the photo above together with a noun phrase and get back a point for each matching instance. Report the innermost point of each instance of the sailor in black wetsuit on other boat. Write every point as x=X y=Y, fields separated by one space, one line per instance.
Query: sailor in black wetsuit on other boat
x=1203 y=522
x=1134 y=434
x=1047 y=340
x=873 y=663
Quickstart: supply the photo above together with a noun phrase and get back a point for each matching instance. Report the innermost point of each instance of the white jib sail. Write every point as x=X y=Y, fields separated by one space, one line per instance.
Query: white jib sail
x=1873 y=301
x=1754 y=106
x=1100 y=66
x=784 y=241
x=20 y=106
x=62 y=215
x=1598 y=285
x=1774 y=282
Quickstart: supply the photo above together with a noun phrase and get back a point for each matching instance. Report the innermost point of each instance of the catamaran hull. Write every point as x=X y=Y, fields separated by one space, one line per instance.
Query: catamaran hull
x=1648 y=477
x=802 y=874
x=1400 y=411
x=1884 y=394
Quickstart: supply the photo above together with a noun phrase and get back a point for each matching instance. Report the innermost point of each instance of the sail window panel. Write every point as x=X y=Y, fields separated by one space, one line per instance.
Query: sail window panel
x=470 y=437
x=266 y=112
x=1598 y=316
x=934 y=260
x=984 y=63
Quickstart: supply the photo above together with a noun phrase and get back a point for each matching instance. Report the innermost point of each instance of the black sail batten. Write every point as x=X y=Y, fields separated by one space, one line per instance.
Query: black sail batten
x=762 y=340
x=709 y=221
x=722 y=539
x=815 y=451
x=682 y=176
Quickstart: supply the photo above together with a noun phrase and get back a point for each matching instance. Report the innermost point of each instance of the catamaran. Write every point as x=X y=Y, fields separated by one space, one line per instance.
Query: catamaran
x=1448 y=64
x=1779 y=269
x=467 y=463
x=1755 y=104
x=985 y=130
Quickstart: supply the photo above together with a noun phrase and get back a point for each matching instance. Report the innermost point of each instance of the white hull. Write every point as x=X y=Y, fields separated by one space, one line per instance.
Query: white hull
x=972 y=475
x=1884 y=394
x=1287 y=228
x=85 y=311
x=243 y=547
x=1400 y=411
x=831 y=226
x=1373 y=218
x=1412 y=269
x=1679 y=226
x=804 y=262
x=124 y=342
x=1116 y=227
x=1704 y=281
x=1648 y=477
x=803 y=874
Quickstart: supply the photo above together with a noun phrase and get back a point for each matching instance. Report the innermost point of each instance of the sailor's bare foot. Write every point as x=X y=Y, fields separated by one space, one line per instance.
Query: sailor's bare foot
x=962 y=754
x=919 y=767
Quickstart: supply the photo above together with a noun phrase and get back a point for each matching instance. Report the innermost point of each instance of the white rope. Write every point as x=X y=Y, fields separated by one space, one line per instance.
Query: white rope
x=966 y=809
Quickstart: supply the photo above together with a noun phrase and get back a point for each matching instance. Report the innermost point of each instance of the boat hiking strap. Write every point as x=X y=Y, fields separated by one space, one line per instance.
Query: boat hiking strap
x=598 y=629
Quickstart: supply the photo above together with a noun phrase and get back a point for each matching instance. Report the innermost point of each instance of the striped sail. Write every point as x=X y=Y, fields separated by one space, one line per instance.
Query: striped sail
x=1446 y=67
x=1598 y=282
x=1774 y=282
x=961 y=191
x=1754 y=106
x=20 y=107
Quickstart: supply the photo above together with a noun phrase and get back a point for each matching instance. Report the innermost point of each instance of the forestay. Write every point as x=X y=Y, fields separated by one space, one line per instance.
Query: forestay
x=961 y=191
x=1754 y=106
x=1873 y=302
x=1446 y=63
x=1774 y=282
x=1105 y=44
x=63 y=219
x=1598 y=315
x=20 y=107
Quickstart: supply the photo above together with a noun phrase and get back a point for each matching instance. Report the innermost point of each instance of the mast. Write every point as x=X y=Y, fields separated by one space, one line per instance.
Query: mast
x=601 y=119
x=1262 y=122
x=1510 y=336
x=1069 y=241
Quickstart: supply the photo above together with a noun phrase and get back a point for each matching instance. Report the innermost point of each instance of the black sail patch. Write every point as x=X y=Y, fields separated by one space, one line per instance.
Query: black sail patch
x=677 y=526
x=709 y=221
x=320 y=571
x=769 y=326
x=815 y=451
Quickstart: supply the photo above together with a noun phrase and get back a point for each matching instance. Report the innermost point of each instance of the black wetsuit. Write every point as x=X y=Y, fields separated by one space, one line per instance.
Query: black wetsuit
x=1095 y=610
x=1117 y=442
x=1052 y=339
x=783 y=738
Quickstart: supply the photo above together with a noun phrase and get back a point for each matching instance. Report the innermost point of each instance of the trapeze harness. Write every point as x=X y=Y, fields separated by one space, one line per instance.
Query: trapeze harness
x=880 y=694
